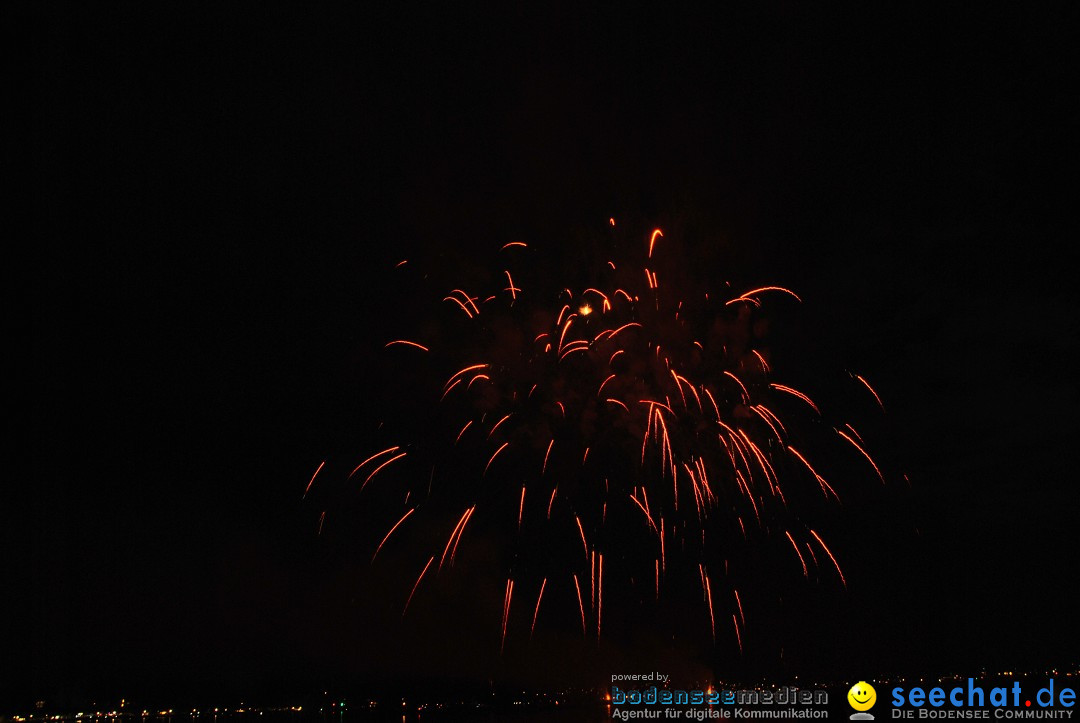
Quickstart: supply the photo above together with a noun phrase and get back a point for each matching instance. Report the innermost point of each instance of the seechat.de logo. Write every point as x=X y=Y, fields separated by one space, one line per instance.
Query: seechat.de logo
x=862 y=697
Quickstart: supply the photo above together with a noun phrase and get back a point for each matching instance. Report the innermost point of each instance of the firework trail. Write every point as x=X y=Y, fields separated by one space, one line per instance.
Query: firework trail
x=619 y=413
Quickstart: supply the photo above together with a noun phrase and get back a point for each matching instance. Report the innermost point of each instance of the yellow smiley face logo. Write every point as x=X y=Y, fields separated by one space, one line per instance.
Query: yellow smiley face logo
x=862 y=696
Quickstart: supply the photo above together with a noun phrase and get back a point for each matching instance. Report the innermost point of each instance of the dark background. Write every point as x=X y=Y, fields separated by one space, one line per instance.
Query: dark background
x=218 y=190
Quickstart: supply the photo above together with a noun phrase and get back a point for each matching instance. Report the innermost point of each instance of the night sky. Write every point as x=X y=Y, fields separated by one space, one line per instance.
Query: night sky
x=218 y=193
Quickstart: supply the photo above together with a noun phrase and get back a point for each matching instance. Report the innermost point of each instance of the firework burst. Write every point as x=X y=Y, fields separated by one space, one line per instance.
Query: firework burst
x=627 y=426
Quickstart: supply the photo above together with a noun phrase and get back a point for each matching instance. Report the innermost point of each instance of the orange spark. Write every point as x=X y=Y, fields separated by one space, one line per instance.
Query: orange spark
x=506 y=612
x=504 y=445
x=536 y=614
x=521 y=507
x=581 y=605
x=592 y=580
x=708 y=596
x=391 y=532
x=458 y=302
x=580 y=345
x=512 y=289
x=374 y=456
x=422 y=573
x=498 y=423
x=805 y=572
x=621 y=328
x=663 y=560
x=654 y=403
x=379 y=468
x=464 y=371
x=825 y=486
x=407 y=343
x=678 y=385
x=748 y=296
x=746 y=394
x=558 y=320
x=757 y=410
x=867 y=385
x=468 y=299
x=566 y=327
x=713 y=401
x=829 y=553
x=643 y=511
x=652 y=239
x=854 y=431
x=599 y=594
x=603 y=383
x=581 y=529
x=449 y=388
x=772 y=416
x=864 y=454
x=598 y=292
x=319 y=469
x=468 y=516
x=796 y=393
x=456 y=534
x=477 y=378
